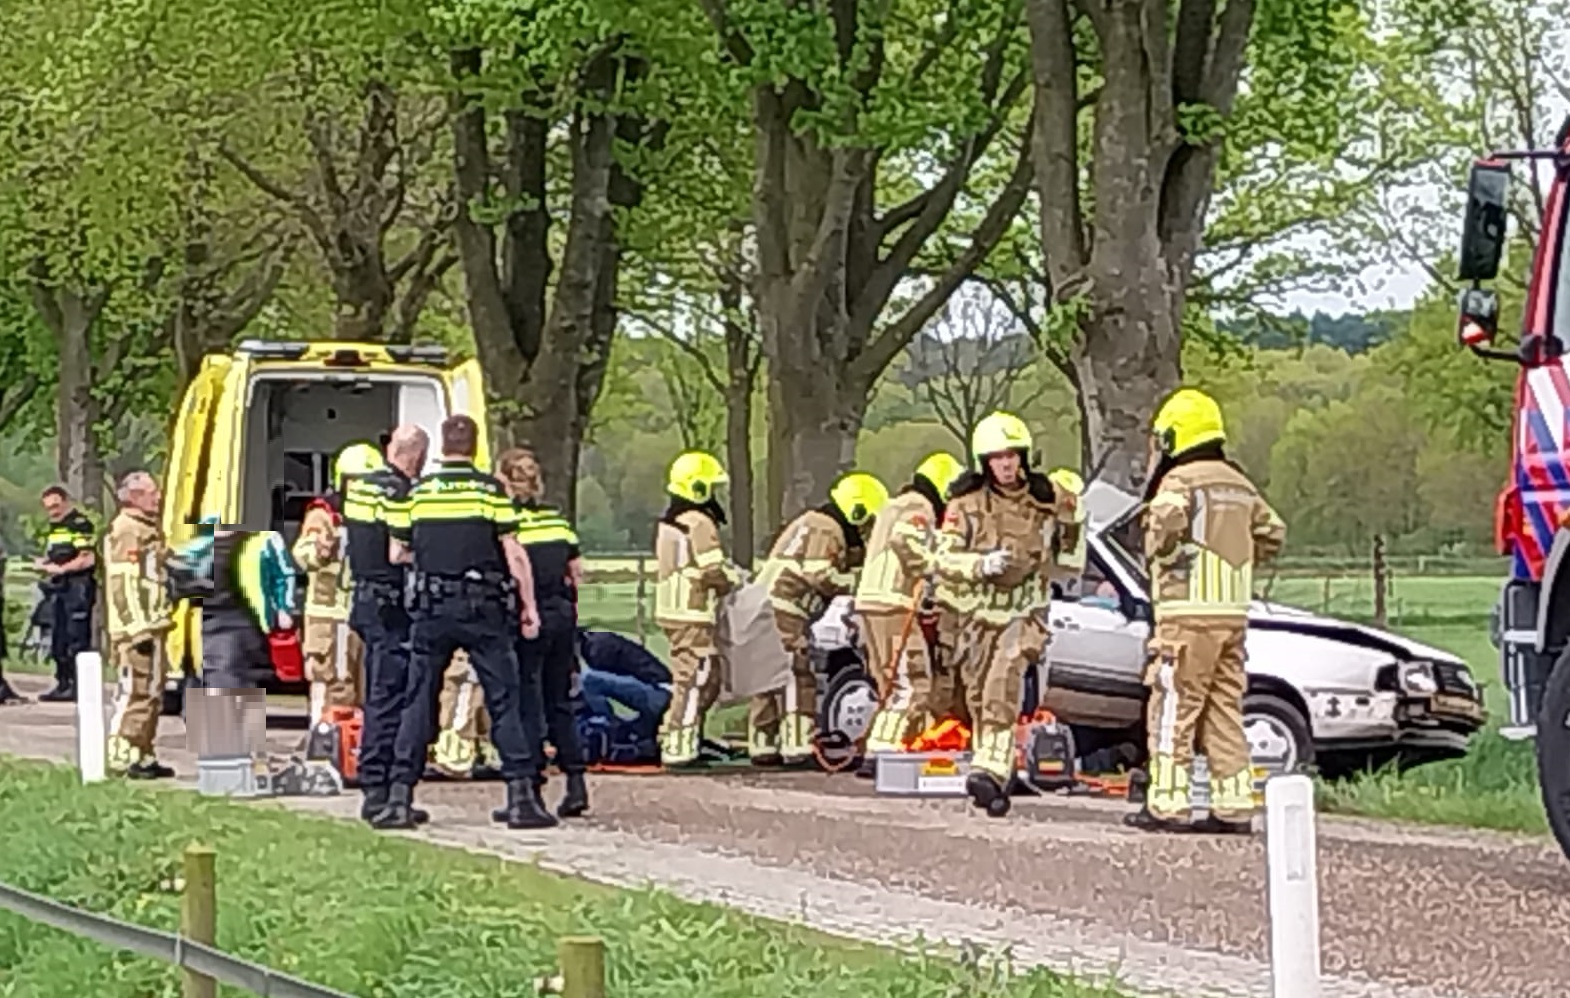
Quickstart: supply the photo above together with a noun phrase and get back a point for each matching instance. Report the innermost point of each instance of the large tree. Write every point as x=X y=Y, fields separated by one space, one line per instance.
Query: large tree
x=850 y=103
x=1157 y=86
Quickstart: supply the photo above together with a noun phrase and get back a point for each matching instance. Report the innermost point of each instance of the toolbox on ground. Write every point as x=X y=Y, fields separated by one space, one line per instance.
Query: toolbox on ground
x=922 y=774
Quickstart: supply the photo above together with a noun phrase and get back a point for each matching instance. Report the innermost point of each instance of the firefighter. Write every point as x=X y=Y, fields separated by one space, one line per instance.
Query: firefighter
x=1206 y=527
x=463 y=741
x=134 y=556
x=1004 y=529
x=899 y=557
x=67 y=566
x=694 y=575
x=334 y=656
x=813 y=561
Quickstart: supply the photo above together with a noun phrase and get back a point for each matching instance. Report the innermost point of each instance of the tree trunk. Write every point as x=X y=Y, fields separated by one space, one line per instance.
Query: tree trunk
x=1125 y=363
x=545 y=372
x=70 y=315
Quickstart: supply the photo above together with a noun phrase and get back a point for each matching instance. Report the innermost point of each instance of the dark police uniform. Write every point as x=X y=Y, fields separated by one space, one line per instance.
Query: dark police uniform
x=552 y=656
x=71 y=597
x=453 y=521
x=379 y=614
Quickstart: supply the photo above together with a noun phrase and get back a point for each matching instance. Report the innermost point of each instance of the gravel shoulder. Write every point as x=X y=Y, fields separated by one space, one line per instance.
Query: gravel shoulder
x=1406 y=912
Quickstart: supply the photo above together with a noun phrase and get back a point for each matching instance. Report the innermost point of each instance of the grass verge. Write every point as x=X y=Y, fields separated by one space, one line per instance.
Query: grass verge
x=375 y=916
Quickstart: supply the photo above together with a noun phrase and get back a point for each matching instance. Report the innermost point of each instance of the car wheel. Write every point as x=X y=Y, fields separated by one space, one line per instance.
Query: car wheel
x=1278 y=735
x=1553 y=750
x=848 y=704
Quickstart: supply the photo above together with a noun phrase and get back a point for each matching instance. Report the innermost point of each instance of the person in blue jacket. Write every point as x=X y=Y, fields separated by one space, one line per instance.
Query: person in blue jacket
x=245 y=583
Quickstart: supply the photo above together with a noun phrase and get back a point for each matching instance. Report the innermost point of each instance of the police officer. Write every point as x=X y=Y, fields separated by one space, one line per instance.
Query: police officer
x=694 y=575
x=899 y=556
x=457 y=527
x=551 y=658
x=813 y=561
x=378 y=612
x=134 y=556
x=67 y=566
x=1206 y=526
x=1004 y=528
x=333 y=654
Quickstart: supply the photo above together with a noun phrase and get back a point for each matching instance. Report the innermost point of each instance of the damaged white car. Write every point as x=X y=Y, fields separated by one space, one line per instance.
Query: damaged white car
x=1322 y=692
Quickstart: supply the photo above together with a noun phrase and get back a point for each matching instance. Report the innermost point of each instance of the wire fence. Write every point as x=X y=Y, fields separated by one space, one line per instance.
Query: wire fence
x=581 y=959
x=168 y=947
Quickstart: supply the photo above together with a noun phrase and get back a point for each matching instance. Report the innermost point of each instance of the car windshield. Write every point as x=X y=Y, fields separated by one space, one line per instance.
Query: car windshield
x=1122 y=541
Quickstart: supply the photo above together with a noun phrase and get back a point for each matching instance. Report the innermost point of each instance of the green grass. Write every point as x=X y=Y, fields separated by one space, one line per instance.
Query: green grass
x=374 y=916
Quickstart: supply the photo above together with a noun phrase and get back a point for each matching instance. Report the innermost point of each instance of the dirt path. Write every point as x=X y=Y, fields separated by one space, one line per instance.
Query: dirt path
x=1405 y=913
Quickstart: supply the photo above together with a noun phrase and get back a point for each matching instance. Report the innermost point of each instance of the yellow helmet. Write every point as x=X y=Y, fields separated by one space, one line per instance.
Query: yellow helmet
x=1186 y=420
x=356 y=459
x=940 y=469
x=1001 y=431
x=694 y=475
x=859 y=496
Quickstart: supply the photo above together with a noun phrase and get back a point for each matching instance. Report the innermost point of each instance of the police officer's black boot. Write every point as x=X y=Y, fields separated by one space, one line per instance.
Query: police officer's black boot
x=376 y=801
x=399 y=812
x=576 y=800
x=64 y=692
x=524 y=808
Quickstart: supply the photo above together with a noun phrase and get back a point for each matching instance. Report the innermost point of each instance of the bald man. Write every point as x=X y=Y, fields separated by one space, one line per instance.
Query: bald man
x=134 y=556
x=378 y=612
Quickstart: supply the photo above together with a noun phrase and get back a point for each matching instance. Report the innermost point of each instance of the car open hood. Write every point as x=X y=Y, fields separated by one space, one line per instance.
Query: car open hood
x=1269 y=616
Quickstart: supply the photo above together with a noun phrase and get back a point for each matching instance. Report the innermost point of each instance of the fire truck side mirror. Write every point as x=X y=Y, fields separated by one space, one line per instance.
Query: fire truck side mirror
x=1483 y=232
x=1479 y=322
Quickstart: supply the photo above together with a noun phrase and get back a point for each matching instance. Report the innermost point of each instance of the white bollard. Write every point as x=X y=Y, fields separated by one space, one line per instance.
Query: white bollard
x=1294 y=886
x=90 y=745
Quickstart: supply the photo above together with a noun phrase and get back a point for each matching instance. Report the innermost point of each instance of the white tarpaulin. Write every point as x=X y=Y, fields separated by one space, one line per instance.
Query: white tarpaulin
x=749 y=643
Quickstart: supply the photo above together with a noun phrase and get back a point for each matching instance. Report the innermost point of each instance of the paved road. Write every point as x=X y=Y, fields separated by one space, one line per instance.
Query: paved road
x=1406 y=913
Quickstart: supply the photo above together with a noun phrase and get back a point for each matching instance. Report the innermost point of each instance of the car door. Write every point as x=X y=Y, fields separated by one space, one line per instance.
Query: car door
x=1097 y=651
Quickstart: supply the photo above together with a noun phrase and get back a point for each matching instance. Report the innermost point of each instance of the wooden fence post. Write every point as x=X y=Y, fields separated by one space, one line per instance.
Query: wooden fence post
x=1381 y=583
x=199 y=914
x=582 y=966
x=642 y=594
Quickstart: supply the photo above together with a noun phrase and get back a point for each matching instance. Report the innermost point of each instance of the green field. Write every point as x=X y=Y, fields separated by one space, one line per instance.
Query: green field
x=342 y=906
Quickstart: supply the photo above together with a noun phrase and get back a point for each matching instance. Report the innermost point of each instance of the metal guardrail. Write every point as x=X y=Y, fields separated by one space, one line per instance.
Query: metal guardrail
x=169 y=947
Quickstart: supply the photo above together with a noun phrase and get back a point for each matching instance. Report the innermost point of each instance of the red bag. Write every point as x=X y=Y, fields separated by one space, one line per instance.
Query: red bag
x=288 y=658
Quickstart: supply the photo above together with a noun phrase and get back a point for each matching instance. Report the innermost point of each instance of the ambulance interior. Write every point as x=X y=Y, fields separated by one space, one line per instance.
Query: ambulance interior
x=295 y=426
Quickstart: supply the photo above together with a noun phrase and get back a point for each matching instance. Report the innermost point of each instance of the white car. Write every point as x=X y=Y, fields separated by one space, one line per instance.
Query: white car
x=1321 y=691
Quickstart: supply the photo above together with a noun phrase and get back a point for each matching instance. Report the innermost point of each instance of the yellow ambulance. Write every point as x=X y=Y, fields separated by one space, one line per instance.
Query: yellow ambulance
x=258 y=428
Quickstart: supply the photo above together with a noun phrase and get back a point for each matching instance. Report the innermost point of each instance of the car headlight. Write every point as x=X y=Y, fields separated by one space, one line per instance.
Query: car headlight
x=1418 y=677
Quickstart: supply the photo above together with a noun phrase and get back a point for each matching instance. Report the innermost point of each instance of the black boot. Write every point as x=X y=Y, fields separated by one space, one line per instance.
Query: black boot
x=1212 y=825
x=987 y=794
x=148 y=769
x=500 y=814
x=1146 y=821
x=9 y=695
x=376 y=800
x=64 y=692
x=373 y=802
x=399 y=812
x=576 y=800
x=524 y=807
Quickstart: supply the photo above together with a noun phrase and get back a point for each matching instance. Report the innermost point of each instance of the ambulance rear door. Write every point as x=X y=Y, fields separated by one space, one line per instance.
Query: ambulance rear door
x=466 y=393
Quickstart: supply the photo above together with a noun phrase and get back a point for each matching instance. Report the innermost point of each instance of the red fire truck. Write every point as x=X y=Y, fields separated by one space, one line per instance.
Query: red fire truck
x=1532 y=516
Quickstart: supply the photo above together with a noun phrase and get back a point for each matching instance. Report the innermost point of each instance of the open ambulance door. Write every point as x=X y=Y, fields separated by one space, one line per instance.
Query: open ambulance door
x=466 y=393
x=202 y=477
